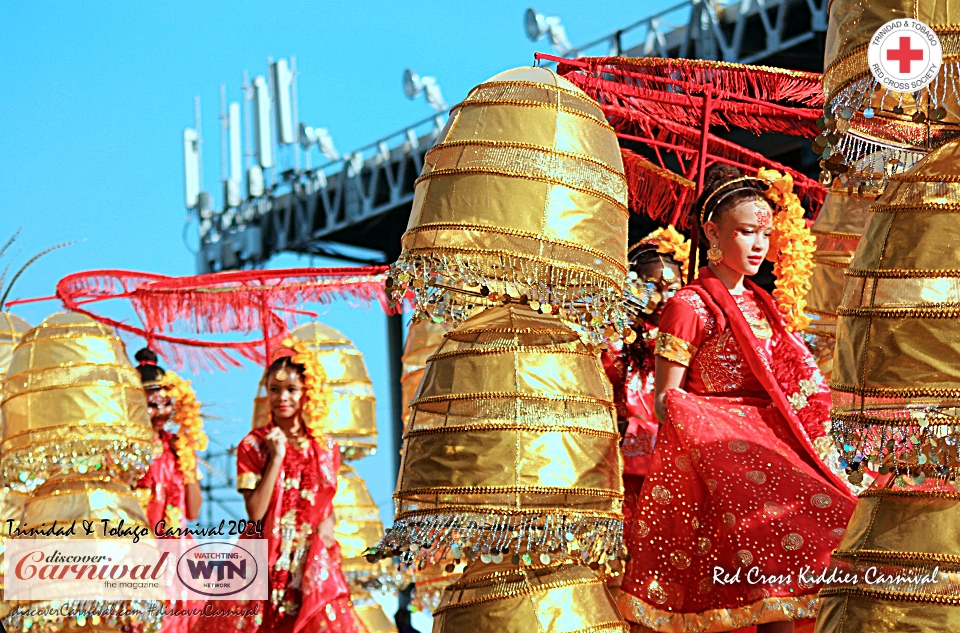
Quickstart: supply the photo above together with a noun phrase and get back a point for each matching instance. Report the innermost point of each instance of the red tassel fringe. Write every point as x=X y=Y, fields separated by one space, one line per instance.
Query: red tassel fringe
x=267 y=302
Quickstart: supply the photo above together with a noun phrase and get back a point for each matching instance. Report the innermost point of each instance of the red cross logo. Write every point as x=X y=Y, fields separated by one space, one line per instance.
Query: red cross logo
x=905 y=55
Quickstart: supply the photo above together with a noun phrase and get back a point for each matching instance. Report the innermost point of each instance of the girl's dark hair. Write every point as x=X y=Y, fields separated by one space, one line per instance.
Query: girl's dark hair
x=647 y=254
x=147 y=366
x=717 y=177
x=286 y=363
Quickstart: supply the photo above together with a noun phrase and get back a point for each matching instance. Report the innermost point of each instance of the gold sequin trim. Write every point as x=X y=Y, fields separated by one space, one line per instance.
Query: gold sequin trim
x=509 y=426
x=903 y=273
x=529 y=92
x=895 y=392
x=891 y=596
x=529 y=161
x=675 y=349
x=247 y=481
x=906 y=559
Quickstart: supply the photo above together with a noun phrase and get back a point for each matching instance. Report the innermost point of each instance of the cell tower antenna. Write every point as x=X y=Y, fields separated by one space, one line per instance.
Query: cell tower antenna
x=293 y=104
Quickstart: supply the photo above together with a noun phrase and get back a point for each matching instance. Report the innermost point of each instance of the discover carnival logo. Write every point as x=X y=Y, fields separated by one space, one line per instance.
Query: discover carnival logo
x=905 y=55
x=150 y=569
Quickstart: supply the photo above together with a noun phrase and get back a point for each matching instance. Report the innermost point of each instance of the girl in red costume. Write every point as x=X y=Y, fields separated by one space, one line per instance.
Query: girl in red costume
x=658 y=261
x=174 y=495
x=287 y=473
x=737 y=513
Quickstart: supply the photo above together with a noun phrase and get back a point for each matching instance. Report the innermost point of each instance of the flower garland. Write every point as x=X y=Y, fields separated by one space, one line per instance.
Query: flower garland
x=316 y=405
x=190 y=436
x=672 y=242
x=791 y=248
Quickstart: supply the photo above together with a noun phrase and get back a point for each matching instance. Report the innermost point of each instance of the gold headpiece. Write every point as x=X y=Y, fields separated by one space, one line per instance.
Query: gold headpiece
x=726 y=190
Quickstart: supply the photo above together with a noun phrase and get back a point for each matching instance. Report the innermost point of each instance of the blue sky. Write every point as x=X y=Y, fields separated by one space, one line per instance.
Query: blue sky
x=97 y=94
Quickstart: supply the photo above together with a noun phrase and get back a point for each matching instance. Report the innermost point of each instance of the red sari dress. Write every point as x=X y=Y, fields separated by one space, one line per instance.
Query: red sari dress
x=737 y=514
x=307 y=589
x=167 y=502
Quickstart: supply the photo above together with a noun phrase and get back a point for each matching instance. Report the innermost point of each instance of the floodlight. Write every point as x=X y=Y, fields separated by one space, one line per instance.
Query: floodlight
x=414 y=85
x=537 y=25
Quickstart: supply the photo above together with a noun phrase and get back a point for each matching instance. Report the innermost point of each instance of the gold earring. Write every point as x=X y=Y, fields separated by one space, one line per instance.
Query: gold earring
x=714 y=254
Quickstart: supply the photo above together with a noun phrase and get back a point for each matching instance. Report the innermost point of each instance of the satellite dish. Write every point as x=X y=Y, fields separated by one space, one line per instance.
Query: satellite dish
x=412 y=86
x=535 y=25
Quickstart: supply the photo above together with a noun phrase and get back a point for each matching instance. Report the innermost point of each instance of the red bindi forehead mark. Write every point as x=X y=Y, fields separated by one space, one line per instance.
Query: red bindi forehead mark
x=763 y=214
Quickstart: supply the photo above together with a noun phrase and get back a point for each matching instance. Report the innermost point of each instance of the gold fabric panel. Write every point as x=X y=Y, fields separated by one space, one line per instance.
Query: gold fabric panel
x=842 y=214
x=826 y=284
x=505 y=599
x=675 y=349
x=515 y=372
x=93 y=498
x=513 y=430
x=543 y=127
x=481 y=459
x=903 y=354
x=370 y=612
x=894 y=532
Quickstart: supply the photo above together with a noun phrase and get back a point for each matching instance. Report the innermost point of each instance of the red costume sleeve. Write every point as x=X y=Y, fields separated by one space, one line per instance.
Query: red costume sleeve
x=251 y=461
x=681 y=331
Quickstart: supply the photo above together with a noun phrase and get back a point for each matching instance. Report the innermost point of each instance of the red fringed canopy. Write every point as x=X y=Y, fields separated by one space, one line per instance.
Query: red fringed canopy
x=670 y=106
x=179 y=314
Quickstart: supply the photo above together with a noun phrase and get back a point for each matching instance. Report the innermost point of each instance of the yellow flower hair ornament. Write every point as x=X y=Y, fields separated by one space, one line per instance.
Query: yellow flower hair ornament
x=791 y=249
x=316 y=404
x=669 y=241
x=190 y=436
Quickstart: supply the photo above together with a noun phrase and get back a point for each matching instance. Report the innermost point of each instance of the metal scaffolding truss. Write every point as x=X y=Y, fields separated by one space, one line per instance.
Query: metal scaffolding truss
x=308 y=211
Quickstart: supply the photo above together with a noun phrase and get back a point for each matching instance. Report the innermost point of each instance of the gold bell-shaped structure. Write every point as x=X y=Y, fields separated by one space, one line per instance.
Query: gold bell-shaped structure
x=98 y=422
x=352 y=419
x=508 y=599
x=863 y=116
x=78 y=433
x=897 y=394
x=522 y=197
x=423 y=339
x=12 y=328
x=358 y=525
x=512 y=449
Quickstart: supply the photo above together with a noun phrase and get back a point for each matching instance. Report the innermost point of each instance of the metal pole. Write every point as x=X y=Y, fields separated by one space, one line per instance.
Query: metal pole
x=196 y=118
x=701 y=168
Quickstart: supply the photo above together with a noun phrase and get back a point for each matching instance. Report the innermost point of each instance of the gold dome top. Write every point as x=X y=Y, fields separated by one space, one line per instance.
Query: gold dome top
x=524 y=194
x=72 y=403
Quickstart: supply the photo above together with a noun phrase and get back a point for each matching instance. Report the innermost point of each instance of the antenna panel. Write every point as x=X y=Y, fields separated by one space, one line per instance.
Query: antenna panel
x=191 y=168
x=236 y=147
x=261 y=120
x=282 y=78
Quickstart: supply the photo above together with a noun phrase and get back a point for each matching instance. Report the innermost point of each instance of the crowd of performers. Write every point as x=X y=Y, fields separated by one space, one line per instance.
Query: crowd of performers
x=287 y=474
x=722 y=412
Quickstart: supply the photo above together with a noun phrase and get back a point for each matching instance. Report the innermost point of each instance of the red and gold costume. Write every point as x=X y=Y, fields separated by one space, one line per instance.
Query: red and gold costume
x=165 y=481
x=735 y=481
x=308 y=591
